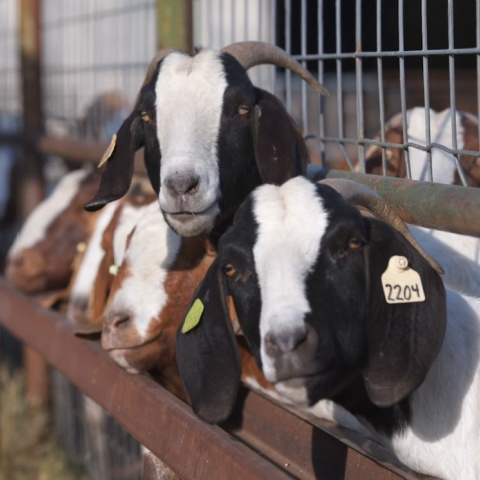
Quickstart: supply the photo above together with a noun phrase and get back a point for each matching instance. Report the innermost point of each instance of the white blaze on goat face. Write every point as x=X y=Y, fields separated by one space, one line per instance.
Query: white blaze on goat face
x=87 y=273
x=193 y=88
x=291 y=223
x=129 y=217
x=92 y=259
x=152 y=250
x=35 y=228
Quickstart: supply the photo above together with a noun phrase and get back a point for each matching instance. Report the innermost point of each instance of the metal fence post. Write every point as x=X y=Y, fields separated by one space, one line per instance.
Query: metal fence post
x=175 y=24
x=32 y=187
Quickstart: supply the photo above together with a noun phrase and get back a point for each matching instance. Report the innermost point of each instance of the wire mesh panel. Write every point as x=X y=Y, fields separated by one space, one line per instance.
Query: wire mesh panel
x=413 y=61
x=10 y=103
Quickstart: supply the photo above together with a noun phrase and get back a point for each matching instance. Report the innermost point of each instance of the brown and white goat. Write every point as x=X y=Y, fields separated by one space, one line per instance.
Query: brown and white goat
x=41 y=257
x=443 y=168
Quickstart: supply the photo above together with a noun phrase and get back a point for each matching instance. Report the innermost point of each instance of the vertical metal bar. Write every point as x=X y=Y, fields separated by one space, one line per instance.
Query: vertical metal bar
x=381 y=98
x=32 y=191
x=288 y=49
x=359 y=83
x=232 y=20
x=426 y=89
x=338 y=50
x=245 y=25
x=220 y=23
x=403 y=101
x=273 y=30
x=259 y=37
x=304 y=64
x=453 y=98
x=321 y=79
x=478 y=64
x=209 y=23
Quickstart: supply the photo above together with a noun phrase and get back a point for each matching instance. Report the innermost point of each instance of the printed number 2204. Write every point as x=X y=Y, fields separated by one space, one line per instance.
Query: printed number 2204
x=403 y=293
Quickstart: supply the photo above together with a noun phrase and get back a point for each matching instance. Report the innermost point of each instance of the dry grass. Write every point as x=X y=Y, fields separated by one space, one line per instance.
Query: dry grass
x=28 y=448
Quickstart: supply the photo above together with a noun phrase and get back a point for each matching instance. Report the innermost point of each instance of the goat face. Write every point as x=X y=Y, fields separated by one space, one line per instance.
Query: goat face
x=150 y=294
x=210 y=138
x=303 y=269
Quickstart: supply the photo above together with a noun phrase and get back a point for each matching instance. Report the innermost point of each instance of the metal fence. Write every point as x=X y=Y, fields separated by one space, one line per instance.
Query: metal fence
x=377 y=58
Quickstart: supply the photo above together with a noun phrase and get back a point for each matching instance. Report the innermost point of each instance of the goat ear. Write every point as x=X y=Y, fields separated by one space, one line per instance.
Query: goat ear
x=207 y=355
x=403 y=339
x=280 y=149
x=117 y=175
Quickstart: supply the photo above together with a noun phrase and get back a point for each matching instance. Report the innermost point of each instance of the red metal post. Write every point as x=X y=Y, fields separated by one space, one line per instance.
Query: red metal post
x=32 y=186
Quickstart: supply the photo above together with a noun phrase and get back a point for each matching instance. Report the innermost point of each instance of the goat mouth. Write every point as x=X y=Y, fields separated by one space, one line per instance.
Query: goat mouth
x=186 y=215
x=309 y=379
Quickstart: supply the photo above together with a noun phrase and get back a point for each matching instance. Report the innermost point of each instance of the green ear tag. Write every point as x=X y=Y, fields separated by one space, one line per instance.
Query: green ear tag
x=193 y=316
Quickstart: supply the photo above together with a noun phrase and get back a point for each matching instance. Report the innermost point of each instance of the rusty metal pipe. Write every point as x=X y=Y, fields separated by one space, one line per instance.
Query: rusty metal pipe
x=443 y=207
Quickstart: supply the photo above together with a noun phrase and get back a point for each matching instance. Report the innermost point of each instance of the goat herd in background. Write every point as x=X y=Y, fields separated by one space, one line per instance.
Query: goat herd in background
x=250 y=272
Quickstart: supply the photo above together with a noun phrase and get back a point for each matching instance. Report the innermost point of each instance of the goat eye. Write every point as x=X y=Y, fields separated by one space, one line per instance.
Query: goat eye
x=355 y=243
x=228 y=270
x=145 y=117
x=243 y=109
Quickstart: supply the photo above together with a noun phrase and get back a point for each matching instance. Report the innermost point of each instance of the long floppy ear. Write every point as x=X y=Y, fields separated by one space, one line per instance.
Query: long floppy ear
x=207 y=355
x=405 y=338
x=280 y=149
x=117 y=175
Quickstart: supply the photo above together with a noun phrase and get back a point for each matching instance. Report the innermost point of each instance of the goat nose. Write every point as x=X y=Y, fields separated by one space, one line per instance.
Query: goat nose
x=182 y=184
x=285 y=341
x=18 y=261
x=117 y=321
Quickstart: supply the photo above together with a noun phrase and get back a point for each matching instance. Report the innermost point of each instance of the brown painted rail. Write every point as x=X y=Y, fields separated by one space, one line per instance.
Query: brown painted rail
x=270 y=442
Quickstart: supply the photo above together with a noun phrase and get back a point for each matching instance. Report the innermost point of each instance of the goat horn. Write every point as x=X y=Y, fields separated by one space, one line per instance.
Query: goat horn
x=358 y=194
x=250 y=54
x=152 y=66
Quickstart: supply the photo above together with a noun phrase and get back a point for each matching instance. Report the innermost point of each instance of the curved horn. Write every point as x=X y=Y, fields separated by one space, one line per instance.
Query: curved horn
x=152 y=66
x=358 y=194
x=250 y=54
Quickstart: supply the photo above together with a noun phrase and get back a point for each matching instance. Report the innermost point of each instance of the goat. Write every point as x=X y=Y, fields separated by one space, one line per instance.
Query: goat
x=149 y=295
x=443 y=163
x=210 y=136
x=303 y=267
x=40 y=258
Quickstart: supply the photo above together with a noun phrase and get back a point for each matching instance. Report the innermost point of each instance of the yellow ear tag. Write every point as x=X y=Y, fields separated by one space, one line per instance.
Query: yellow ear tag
x=113 y=269
x=402 y=284
x=81 y=247
x=109 y=151
x=193 y=316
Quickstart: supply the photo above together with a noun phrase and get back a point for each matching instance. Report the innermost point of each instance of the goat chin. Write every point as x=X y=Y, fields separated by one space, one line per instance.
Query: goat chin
x=195 y=224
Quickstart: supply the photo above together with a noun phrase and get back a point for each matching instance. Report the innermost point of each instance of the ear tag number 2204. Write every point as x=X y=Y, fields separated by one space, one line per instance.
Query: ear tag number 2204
x=401 y=284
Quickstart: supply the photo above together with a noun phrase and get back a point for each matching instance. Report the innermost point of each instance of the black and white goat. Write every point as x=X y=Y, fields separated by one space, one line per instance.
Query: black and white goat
x=303 y=267
x=210 y=136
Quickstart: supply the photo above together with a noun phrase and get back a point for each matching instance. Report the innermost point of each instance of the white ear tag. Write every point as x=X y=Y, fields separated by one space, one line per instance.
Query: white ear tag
x=113 y=269
x=109 y=151
x=400 y=283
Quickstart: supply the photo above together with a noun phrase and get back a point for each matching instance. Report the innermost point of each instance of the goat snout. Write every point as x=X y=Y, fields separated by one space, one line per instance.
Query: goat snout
x=119 y=331
x=182 y=184
x=278 y=343
x=117 y=321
